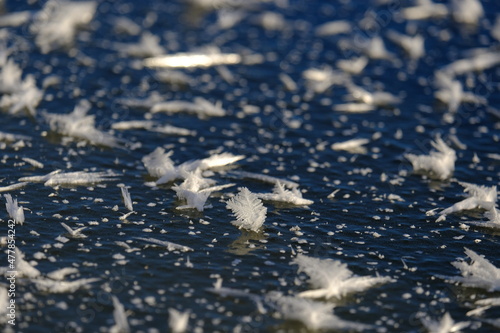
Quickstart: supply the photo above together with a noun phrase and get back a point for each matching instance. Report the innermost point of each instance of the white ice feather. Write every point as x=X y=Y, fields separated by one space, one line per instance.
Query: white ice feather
x=120 y=316
x=75 y=178
x=248 y=208
x=74 y=233
x=280 y=193
x=56 y=24
x=200 y=107
x=79 y=125
x=166 y=244
x=479 y=197
x=480 y=273
x=355 y=146
x=445 y=325
x=60 y=274
x=314 y=315
x=126 y=198
x=264 y=178
x=332 y=278
x=15 y=212
x=440 y=163
x=62 y=287
x=177 y=320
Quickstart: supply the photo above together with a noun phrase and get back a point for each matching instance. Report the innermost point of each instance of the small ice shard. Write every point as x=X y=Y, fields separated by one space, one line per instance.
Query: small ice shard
x=133 y=124
x=9 y=137
x=440 y=163
x=412 y=45
x=264 y=178
x=208 y=57
x=248 y=209
x=79 y=125
x=353 y=66
x=60 y=274
x=195 y=191
x=74 y=233
x=475 y=63
x=333 y=279
x=425 y=9
x=288 y=82
x=15 y=19
x=33 y=162
x=314 y=315
x=62 y=287
x=480 y=273
x=219 y=160
x=13 y=187
x=354 y=107
x=445 y=325
x=200 y=107
x=354 y=146
x=479 y=197
x=166 y=244
x=319 y=80
x=56 y=178
x=55 y=25
x=126 y=26
x=375 y=49
x=466 y=11
x=126 y=198
x=271 y=21
x=333 y=28
x=15 y=212
x=293 y=196
x=148 y=46
x=120 y=316
x=377 y=98
x=177 y=320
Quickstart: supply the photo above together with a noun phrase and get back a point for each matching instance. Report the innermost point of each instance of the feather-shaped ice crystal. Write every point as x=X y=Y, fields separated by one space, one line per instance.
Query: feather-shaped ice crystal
x=62 y=287
x=479 y=197
x=248 y=208
x=445 y=325
x=56 y=24
x=15 y=212
x=440 y=163
x=79 y=125
x=314 y=315
x=177 y=320
x=480 y=273
x=332 y=278
x=280 y=193
x=120 y=316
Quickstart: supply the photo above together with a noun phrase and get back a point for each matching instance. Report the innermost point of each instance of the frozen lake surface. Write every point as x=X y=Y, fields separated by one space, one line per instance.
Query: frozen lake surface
x=258 y=166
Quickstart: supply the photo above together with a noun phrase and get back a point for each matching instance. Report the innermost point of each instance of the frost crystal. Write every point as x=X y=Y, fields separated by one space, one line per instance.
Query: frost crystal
x=15 y=212
x=79 y=125
x=440 y=163
x=177 y=320
x=333 y=278
x=480 y=273
x=479 y=197
x=445 y=325
x=293 y=196
x=314 y=315
x=56 y=24
x=248 y=208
